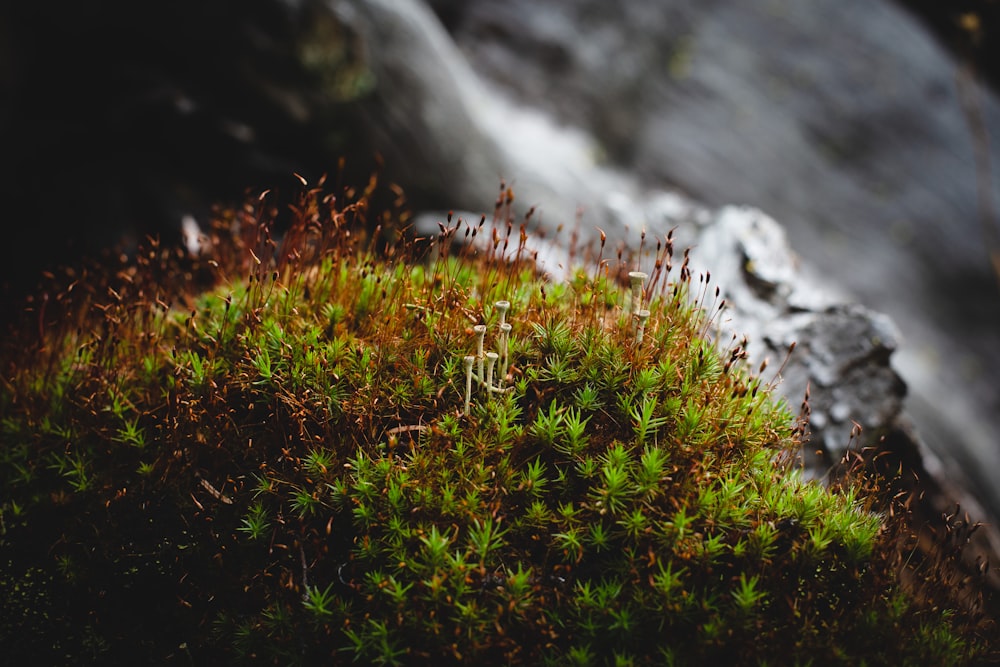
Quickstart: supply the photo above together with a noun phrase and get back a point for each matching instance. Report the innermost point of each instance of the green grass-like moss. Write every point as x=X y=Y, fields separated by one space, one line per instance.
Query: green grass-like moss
x=263 y=455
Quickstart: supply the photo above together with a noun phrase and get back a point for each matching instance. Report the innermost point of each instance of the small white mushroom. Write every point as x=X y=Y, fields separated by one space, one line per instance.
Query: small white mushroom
x=642 y=316
x=480 y=332
x=502 y=308
x=637 y=278
x=504 y=351
x=491 y=362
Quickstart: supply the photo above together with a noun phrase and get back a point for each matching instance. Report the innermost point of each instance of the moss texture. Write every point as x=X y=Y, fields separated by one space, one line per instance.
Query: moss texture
x=300 y=452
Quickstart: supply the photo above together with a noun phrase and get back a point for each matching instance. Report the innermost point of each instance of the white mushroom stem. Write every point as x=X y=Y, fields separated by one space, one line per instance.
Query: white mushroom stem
x=504 y=351
x=641 y=316
x=480 y=333
x=469 y=361
x=491 y=362
x=637 y=278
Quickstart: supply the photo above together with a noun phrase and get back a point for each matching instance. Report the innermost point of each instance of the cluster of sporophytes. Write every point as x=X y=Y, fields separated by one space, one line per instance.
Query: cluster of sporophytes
x=352 y=445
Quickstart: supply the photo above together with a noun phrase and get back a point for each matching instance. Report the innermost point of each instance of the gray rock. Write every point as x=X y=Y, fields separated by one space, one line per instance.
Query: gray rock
x=842 y=352
x=844 y=355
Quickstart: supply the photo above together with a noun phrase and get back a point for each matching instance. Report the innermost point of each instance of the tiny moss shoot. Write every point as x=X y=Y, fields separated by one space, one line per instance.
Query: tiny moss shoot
x=350 y=445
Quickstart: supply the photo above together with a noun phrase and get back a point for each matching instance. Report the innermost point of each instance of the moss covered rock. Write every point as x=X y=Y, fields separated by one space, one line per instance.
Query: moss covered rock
x=363 y=447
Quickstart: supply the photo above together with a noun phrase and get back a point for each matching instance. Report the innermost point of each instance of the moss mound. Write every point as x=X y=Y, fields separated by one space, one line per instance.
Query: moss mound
x=364 y=447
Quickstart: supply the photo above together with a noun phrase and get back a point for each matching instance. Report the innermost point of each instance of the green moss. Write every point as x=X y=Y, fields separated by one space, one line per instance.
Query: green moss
x=264 y=455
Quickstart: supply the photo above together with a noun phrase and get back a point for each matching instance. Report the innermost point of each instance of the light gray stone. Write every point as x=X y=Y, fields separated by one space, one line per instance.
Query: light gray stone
x=842 y=352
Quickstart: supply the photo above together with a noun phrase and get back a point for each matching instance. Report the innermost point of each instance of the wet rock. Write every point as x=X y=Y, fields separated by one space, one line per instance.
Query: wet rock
x=844 y=355
x=842 y=351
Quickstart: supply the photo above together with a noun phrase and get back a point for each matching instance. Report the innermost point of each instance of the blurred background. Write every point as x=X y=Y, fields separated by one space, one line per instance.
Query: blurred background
x=869 y=129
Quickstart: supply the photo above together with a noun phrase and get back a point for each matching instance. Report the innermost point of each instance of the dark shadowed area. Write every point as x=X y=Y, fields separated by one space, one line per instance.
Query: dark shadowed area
x=117 y=119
